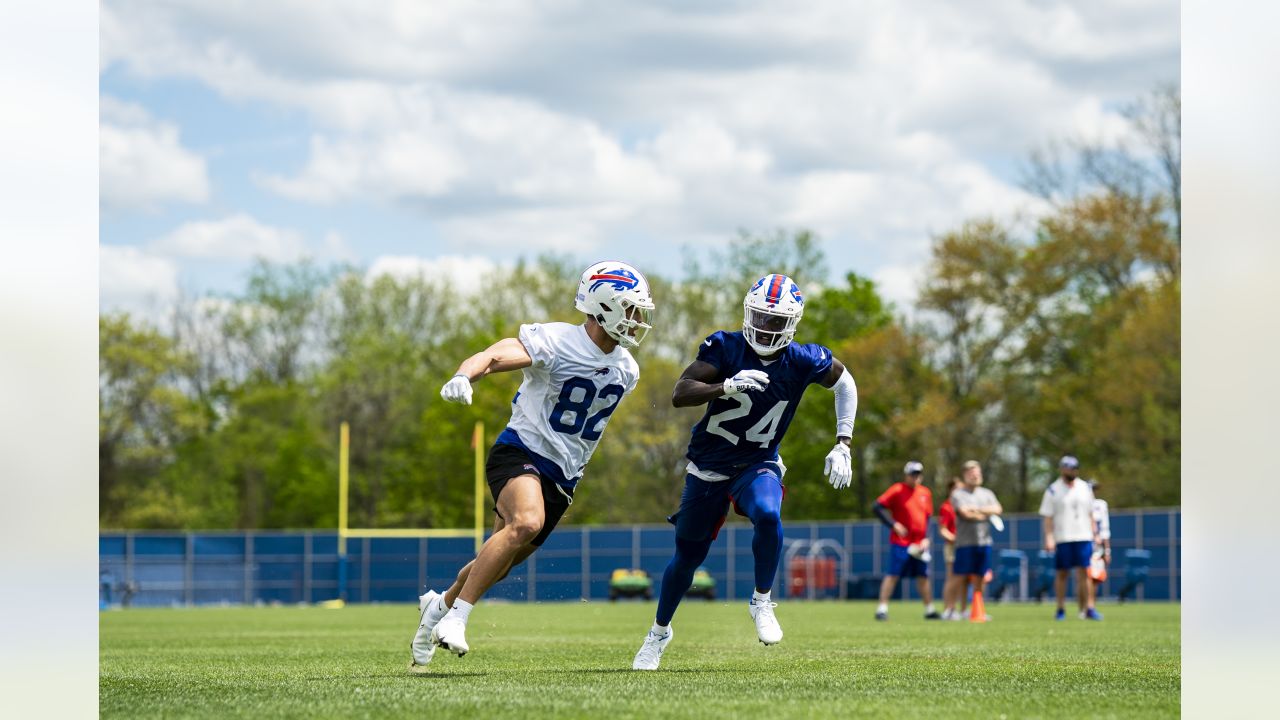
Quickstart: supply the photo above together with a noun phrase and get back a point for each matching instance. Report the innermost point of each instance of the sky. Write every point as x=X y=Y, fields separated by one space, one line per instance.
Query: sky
x=453 y=137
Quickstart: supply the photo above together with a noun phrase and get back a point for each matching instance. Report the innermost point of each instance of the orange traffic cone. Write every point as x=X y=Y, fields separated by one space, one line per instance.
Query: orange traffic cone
x=977 y=612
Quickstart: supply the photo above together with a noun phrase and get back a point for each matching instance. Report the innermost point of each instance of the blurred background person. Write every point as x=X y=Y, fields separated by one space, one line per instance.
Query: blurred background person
x=1067 y=509
x=974 y=505
x=951 y=595
x=905 y=508
x=1101 y=561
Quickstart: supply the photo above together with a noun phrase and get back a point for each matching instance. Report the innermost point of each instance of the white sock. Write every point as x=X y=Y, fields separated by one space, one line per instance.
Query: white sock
x=461 y=610
x=757 y=597
x=659 y=630
x=437 y=608
x=929 y=608
x=882 y=608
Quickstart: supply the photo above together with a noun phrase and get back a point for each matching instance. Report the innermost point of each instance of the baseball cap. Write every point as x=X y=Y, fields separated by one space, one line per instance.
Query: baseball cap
x=912 y=467
x=1069 y=461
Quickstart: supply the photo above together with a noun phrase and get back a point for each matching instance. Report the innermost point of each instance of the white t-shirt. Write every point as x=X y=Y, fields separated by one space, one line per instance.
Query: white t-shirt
x=1071 y=507
x=569 y=393
x=1102 y=516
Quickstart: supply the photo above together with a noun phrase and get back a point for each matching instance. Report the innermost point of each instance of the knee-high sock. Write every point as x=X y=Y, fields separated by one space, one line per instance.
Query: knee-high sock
x=762 y=503
x=679 y=576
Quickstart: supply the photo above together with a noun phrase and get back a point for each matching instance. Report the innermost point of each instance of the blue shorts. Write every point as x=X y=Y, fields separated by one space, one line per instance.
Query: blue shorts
x=705 y=505
x=1073 y=555
x=903 y=565
x=972 y=560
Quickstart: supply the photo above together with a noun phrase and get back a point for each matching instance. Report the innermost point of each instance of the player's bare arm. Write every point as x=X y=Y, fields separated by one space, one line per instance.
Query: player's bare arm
x=503 y=356
x=701 y=383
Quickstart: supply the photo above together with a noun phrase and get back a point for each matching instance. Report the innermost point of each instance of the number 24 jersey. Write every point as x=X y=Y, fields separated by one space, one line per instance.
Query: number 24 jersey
x=568 y=394
x=744 y=429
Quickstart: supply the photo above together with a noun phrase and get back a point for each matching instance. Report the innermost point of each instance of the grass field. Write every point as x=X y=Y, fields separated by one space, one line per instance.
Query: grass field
x=573 y=660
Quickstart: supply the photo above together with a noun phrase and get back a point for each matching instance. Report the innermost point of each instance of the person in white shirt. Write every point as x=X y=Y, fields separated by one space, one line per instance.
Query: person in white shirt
x=575 y=376
x=1101 y=539
x=1067 y=509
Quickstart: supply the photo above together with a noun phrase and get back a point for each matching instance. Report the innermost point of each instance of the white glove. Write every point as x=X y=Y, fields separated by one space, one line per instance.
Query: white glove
x=755 y=380
x=457 y=390
x=839 y=466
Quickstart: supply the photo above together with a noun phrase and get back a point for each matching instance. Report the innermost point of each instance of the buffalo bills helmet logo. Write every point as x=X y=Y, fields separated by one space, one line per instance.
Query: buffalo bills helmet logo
x=795 y=293
x=620 y=279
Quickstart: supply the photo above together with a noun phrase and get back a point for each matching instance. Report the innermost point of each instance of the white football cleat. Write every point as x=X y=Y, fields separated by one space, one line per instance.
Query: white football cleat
x=451 y=634
x=651 y=651
x=767 y=627
x=428 y=616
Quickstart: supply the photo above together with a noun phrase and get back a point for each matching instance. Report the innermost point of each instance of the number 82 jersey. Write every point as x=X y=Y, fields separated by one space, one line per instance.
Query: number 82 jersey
x=744 y=429
x=567 y=395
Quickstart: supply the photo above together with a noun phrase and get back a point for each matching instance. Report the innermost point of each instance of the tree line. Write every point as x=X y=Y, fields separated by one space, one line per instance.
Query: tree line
x=1025 y=343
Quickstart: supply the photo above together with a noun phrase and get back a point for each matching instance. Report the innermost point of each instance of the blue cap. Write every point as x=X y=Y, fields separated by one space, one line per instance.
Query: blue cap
x=912 y=467
x=1069 y=461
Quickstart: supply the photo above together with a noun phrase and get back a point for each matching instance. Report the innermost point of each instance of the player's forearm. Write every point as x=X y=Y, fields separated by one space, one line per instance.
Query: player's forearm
x=689 y=392
x=947 y=535
x=1048 y=528
x=502 y=356
x=846 y=397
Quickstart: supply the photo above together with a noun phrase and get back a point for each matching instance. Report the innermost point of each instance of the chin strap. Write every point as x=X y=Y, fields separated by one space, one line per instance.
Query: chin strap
x=846 y=391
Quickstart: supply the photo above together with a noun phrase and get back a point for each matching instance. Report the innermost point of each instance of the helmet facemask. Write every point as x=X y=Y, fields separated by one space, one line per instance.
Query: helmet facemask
x=768 y=332
x=626 y=320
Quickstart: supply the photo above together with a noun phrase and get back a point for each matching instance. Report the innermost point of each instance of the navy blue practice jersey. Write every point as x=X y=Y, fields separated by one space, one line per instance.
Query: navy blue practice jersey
x=746 y=428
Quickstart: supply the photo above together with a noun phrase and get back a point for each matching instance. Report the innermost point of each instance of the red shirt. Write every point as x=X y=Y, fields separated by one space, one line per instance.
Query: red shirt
x=947 y=516
x=910 y=506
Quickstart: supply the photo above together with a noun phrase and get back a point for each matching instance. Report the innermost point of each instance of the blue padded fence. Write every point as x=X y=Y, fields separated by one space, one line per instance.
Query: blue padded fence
x=200 y=568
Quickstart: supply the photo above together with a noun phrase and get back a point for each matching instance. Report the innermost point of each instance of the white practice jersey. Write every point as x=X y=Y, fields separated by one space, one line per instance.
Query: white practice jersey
x=568 y=394
x=1102 y=518
x=1071 y=507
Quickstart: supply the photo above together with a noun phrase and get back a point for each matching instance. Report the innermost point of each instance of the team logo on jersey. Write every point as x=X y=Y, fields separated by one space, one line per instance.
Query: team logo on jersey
x=601 y=371
x=620 y=279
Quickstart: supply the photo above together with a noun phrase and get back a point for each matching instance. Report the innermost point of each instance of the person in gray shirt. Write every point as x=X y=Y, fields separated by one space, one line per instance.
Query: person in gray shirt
x=974 y=506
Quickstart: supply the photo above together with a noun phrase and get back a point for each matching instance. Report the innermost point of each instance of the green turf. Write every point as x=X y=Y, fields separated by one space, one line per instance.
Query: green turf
x=573 y=660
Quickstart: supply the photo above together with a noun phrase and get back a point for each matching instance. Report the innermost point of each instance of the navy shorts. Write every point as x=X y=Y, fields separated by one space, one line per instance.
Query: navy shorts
x=705 y=505
x=972 y=560
x=1073 y=555
x=903 y=565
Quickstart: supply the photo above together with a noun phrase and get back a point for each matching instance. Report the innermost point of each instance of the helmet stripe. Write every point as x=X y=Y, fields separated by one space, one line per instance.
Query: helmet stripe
x=775 y=290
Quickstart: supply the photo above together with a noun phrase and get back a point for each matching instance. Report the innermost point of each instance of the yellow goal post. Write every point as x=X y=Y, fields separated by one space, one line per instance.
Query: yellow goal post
x=344 y=532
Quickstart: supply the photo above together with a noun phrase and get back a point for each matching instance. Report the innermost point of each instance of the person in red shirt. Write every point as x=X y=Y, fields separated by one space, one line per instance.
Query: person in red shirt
x=951 y=595
x=905 y=508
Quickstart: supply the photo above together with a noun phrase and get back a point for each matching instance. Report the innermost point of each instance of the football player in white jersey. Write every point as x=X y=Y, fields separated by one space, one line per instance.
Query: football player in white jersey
x=574 y=378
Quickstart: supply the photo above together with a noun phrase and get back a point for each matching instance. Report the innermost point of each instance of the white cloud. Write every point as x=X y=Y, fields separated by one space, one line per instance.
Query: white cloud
x=130 y=278
x=238 y=237
x=142 y=163
x=522 y=125
x=465 y=273
x=899 y=284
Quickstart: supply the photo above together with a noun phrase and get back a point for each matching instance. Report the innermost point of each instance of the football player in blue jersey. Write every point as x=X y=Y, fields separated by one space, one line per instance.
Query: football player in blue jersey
x=751 y=382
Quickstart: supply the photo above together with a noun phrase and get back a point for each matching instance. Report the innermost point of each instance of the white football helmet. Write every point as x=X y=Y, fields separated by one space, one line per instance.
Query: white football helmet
x=770 y=313
x=617 y=296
